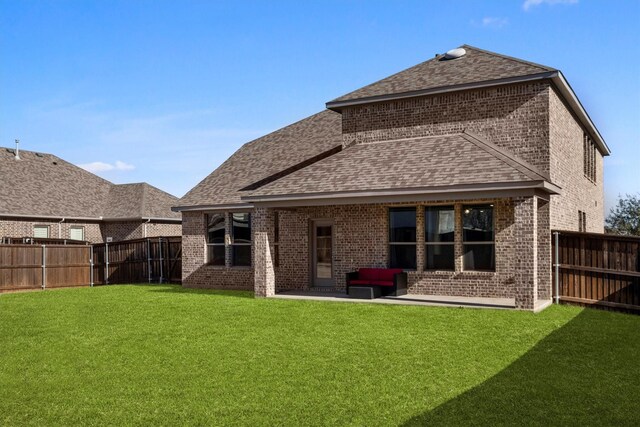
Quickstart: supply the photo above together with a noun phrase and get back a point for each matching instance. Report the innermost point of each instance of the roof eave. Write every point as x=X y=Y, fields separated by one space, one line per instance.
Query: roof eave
x=338 y=105
x=141 y=218
x=51 y=217
x=491 y=190
x=572 y=99
x=220 y=207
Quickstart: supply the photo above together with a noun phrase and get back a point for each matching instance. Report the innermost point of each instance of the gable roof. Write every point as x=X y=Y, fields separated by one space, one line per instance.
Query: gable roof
x=419 y=165
x=43 y=185
x=476 y=65
x=266 y=158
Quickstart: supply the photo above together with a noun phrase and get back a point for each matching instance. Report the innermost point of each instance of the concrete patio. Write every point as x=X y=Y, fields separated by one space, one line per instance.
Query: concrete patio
x=426 y=300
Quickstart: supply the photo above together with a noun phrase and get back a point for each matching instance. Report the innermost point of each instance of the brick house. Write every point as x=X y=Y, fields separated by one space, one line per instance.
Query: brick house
x=46 y=197
x=456 y=170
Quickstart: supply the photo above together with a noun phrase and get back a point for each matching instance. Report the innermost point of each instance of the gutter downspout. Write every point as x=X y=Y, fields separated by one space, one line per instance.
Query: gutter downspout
x=145 y=227
x=557 y=266
x=60 y=228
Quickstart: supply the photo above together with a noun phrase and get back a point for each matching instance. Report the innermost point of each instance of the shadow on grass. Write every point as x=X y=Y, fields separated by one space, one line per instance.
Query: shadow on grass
x=586 y=372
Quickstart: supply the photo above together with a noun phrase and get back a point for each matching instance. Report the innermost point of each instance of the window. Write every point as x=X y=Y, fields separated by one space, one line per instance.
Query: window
x=439 y=224
x=478 y=238
x=241 y=239
x=215 y=239
x=41 y=231
x=76 y=233
x=589 y=157
x=402 y=238
x=582 y=221
x=276 y=239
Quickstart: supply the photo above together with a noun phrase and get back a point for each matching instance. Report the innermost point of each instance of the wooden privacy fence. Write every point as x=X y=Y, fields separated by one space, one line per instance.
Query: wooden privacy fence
x=44 y=266
x=154 y=259
x=30 y=266
x=602 y=270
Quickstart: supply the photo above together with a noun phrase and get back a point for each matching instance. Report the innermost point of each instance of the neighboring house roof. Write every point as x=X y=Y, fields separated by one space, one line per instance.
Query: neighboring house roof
x=476 y=65
x=43 y=185
x=266 y=158
x=139 y=200
x=420 y=165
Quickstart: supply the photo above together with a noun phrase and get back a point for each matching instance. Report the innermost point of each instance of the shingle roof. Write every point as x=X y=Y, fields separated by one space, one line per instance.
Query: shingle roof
x=267 y=156
x=437 y=161
x=476 y=65
x=45 y=185
x=139 y=200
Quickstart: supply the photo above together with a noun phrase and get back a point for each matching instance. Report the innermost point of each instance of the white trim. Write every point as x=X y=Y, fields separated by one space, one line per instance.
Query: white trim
x=414 y=194
x=240 y=207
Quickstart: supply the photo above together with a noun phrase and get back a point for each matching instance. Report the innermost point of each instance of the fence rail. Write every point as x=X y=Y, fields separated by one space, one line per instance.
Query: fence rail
x=599 y=270
x=31 y=266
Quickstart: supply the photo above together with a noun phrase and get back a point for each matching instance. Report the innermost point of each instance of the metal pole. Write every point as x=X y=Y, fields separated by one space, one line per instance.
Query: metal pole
x=106 y=263
x=149 y=259
x=557 y=265
x=160 y=244
x=44 y=266
x=91 y=265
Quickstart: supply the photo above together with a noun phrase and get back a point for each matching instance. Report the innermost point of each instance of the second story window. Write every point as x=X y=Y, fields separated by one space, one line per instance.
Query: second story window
x=589 y=157
x=582 y=221
x=402 y=238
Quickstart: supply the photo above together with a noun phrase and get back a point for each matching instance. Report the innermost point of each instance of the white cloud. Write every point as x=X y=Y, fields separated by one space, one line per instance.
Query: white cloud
x=95 y=167
x=529 y=3
x=494 y=22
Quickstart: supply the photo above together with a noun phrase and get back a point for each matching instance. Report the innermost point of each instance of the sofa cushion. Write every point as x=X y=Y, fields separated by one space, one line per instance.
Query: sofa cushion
x=382 y=282
x=360 y=282
x=387 y=274
x=368 y=273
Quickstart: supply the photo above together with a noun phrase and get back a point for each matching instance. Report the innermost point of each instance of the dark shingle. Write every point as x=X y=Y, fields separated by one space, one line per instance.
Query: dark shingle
x=436 y=161
x=476 y=65
x=45 y=185
x=267 y=156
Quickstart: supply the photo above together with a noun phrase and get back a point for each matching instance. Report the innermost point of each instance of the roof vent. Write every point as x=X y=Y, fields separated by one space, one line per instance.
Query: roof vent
x=455 y=53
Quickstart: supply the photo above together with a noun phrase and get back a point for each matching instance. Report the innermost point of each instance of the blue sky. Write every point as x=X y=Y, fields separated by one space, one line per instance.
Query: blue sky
x=165 y=91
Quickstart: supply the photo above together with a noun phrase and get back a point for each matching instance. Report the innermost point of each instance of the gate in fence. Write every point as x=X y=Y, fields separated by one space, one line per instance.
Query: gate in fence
x=601 y=270
x=31 y=266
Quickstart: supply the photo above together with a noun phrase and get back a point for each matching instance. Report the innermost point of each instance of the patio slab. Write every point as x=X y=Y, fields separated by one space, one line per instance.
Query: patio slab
x=426 y=300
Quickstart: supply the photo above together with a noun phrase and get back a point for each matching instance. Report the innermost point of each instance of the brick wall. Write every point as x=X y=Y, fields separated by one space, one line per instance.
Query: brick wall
x=578 y=192
x=195 y=272
x=163 y=229
x=513 y=116
x=361 y=240
x=122 y=230
x=57 y=230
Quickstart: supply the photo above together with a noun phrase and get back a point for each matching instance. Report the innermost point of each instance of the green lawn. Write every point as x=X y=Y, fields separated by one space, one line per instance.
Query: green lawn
x=164 y=355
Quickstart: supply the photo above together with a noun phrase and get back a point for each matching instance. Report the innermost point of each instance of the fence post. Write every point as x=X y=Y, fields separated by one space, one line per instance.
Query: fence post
x=160 y=248
x=91 y=265
x=149 y=259
x=44 y=266
x=557 y=266
x=106 y=263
